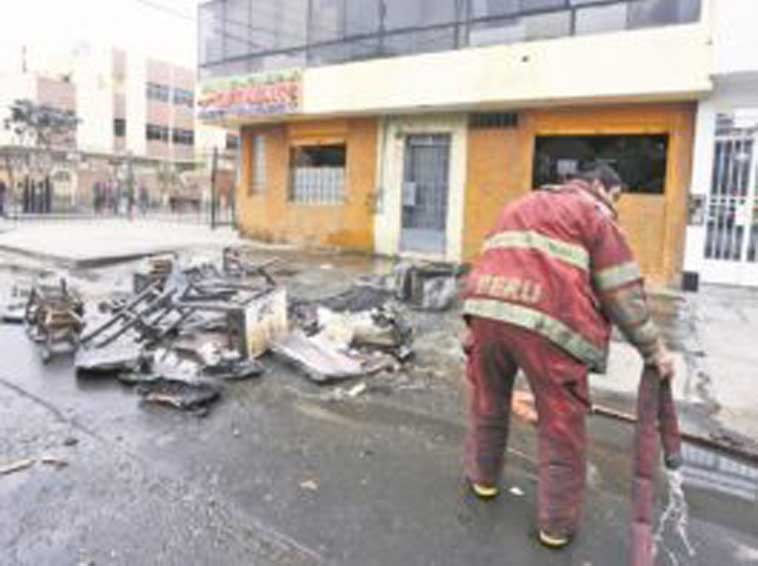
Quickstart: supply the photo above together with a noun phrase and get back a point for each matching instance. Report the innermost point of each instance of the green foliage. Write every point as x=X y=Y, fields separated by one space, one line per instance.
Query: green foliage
x=41 y=125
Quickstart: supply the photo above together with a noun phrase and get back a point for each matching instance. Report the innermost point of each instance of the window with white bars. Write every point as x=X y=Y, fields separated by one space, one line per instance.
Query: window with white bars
x=258 y=179
x=318 y=174
x=732 y=211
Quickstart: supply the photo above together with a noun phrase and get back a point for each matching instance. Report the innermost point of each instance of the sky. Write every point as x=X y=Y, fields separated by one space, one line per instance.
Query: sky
x=164 y=28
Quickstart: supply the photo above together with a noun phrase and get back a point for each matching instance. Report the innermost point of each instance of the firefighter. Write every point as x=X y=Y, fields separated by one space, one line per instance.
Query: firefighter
x=554 y=275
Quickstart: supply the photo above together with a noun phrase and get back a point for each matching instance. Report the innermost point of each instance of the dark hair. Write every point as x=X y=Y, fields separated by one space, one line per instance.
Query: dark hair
x=603 y=173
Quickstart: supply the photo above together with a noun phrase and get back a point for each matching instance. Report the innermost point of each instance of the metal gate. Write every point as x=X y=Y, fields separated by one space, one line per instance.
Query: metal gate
x=731 y=239
x=425 y=193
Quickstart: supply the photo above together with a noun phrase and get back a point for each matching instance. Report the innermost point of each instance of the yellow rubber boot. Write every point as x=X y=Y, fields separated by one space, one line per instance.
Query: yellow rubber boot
x=484 y=492
x=553 y=542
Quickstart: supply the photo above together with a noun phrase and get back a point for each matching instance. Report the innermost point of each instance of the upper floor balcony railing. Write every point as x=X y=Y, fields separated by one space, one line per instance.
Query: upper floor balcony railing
x=246 y=36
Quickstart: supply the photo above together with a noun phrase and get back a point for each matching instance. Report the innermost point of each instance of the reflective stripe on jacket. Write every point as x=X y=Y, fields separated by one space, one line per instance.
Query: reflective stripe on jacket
x=552 y=256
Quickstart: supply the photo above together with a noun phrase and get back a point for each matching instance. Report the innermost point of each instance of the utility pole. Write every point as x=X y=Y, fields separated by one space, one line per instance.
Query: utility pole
x=214 y=169
x=129 y=185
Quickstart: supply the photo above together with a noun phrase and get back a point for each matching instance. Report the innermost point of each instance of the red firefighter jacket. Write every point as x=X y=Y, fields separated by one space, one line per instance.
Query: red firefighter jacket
x=553 y=265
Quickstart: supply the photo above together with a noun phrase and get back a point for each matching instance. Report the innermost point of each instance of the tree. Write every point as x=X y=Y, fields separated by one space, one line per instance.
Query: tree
x=38 y=130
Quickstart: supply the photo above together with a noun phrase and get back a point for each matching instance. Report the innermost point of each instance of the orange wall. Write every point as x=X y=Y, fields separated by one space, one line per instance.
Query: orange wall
x=270 y=216
x=500 y=170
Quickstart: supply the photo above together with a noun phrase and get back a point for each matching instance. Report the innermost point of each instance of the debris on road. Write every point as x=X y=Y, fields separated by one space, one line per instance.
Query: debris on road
x=235 y=369
x=323 y=360
x=359 y=389
x=16 y=466
x=14 y=310
x=154 y=271
x=189 y=325
x=183 y=395
x=309 y=485
x=57 y=463
x=340 y=393
x=53 y=317
x=427 y=286
x=265 y=322
x=115 y=358
x=238 y=261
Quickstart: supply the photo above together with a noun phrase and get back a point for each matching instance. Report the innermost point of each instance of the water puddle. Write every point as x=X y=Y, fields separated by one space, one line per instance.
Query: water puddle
x=675 y=518
x=707 y=470
x=715 y=472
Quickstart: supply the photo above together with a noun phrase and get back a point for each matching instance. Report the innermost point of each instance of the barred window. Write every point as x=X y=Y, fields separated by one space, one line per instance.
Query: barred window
x=318 y=174
x=258 y=181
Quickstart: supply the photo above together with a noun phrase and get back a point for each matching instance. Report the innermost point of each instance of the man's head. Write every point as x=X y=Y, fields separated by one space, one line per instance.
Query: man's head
x=603 y=178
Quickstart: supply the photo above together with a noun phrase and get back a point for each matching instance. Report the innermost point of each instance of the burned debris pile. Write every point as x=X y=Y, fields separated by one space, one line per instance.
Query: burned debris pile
x=189 y=328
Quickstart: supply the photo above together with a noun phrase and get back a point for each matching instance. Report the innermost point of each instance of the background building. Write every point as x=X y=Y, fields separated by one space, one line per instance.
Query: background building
x=403 y=127
x=137 y=124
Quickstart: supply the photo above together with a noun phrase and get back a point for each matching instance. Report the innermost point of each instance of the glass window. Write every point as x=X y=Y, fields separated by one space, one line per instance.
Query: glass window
x=232 y=142
x=184 y=97
x=237 y=29
x=547 y=26
x=327 y=21
x=423 y=41
x=119 y=127
x=183 y=137
x=362 y=17
x=601 y=19
x=258 y=182
x=401 y=14
x=318 y=174
x=211 y=40
x=158 y=92
x=535 y=5
x=648 y=13
x=640 y=159
x=493 y=8
x=157 y=133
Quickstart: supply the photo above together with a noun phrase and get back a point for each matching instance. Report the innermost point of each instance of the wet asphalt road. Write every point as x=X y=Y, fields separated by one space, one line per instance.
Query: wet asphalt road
x=277 y=475
x=150 y=486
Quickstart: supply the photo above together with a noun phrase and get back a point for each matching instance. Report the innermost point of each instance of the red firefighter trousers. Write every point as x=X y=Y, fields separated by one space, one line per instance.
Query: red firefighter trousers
x=559 y=382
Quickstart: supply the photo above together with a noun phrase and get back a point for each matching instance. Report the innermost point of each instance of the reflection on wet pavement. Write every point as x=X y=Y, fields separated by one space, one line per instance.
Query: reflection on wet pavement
x=709 y=470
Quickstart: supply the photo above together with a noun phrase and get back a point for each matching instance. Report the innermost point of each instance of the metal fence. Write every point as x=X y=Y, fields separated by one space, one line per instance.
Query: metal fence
x=222 y=213
x=245 y=36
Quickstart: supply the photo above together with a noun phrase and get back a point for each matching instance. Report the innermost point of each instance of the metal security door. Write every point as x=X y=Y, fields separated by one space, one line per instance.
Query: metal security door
x=425 y=193
x=731 y=242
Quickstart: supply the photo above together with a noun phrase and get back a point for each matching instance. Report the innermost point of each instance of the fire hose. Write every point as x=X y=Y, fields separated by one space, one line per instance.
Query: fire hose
x=656 y=418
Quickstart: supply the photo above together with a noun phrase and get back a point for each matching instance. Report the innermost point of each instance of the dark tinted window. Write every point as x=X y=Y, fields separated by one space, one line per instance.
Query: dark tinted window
x=119 y=127
x=639 y=159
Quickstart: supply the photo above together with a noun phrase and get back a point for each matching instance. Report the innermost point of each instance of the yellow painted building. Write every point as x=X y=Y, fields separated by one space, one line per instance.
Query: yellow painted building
x=415 y=151
x=266 y=208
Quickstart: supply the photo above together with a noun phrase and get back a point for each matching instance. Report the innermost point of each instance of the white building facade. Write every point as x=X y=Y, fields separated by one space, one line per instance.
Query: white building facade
x=722 y=232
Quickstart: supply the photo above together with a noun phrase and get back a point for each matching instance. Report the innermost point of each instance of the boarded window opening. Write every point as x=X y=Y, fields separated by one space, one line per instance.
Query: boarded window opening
x=641 y=160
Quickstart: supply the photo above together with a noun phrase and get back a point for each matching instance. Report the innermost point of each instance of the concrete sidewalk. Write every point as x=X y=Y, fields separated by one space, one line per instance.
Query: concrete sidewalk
x=85 y=243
